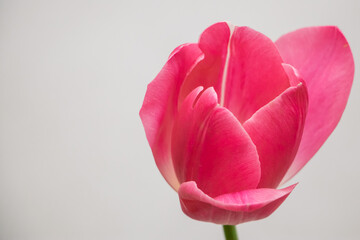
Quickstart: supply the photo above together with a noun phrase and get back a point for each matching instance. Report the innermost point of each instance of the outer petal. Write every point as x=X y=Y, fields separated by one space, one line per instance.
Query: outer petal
x=232 y=208
x=324 y=59
x=255 y=75
x=276 y=130
x=211 y=147
x=160 y=107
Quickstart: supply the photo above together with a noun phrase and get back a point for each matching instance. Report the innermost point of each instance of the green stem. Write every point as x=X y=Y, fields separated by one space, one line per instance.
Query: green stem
x=230 y=232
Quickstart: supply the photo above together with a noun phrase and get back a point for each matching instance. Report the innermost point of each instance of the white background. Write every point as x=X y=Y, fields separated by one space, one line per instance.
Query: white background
x=74 y=160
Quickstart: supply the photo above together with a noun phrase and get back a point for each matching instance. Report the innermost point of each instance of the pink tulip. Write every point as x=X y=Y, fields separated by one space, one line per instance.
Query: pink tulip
x=232 y=117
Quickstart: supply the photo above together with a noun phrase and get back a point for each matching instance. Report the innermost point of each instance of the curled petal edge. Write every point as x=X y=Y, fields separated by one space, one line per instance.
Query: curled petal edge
x=232 y=208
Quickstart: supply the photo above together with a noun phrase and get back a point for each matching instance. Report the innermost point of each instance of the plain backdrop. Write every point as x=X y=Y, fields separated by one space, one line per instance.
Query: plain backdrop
x=74 y=160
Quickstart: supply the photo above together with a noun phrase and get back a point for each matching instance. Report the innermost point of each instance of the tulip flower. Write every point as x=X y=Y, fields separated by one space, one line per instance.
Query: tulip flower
x=233 y=117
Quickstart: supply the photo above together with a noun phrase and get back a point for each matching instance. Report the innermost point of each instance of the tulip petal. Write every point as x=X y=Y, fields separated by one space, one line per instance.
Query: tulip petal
x=211 y=147
x=255 y=75
x=232 y=208
x=209 y=71
x=324 y=59
x=160 y=107
x=276 y=130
